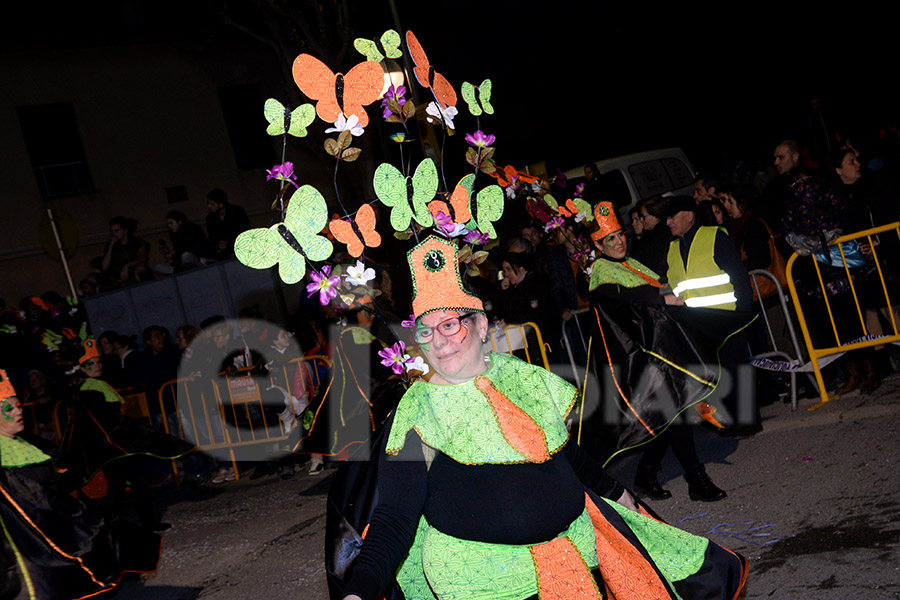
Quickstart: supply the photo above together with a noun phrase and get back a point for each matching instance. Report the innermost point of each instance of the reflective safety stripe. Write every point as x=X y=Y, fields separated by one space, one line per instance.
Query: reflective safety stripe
x=701 y=282
x=717 y=299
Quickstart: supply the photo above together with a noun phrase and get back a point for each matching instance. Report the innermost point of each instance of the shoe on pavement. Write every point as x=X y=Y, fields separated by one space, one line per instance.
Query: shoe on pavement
x=316 y=467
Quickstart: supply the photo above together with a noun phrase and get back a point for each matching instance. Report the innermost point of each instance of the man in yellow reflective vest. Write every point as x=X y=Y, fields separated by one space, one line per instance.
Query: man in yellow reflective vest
x=705 y=270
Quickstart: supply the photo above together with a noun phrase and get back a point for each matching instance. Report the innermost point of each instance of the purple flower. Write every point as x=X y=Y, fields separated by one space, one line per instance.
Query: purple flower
x=392 y=94
x=579 y=190
x=479 y=139
x=283 y=172
x=559 y=179
x=476 y=237
x=394 y=357
x=554 y=223
x=410 y=322
x=323 y=284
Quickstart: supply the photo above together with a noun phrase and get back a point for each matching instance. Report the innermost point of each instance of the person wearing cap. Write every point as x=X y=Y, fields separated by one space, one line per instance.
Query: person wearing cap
x=627 y=297
x=63 y=548
x=706 y=271
x=483 y=494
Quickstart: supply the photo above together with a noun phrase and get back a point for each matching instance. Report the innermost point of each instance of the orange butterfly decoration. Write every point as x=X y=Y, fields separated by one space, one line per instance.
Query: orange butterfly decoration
x=508 y=174
x=358 y=233
x=427 y=76
x=458 y=206
x=568 y=209
x=337 y=93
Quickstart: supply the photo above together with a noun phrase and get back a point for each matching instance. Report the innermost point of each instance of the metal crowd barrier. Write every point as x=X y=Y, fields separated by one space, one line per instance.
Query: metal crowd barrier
x=815 y=354
x=795 y=361
x=567 y=343
x=514 y=337
x=204 y=417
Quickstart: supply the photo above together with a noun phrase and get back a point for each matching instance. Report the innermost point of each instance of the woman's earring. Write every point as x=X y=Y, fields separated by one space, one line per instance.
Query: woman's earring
x=484 y=339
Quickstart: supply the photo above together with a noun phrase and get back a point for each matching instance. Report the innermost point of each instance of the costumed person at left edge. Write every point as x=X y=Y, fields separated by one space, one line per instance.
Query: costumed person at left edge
x=481 y=493
x=63 y=548
x=657 y=368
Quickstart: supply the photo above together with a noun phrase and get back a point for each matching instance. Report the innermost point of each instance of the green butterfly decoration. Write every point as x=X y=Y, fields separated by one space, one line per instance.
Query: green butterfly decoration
x=387 y=46
x=407 y=197
x=487 y=208
x=478 y=97
x=291 y=243
x=282 y=120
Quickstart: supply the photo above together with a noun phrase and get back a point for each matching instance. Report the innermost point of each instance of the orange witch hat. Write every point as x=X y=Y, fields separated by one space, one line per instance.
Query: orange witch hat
x=6 y=388
x=90 y=351
x=607 y=222
x=437 y=284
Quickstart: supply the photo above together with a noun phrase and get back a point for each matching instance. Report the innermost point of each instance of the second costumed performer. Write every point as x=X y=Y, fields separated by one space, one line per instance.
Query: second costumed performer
x=483 y=494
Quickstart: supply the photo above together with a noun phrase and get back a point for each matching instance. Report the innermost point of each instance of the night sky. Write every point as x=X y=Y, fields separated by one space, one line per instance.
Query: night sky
x=580 y=81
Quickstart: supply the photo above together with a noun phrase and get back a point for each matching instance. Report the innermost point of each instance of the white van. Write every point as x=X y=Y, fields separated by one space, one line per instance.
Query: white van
x=626 y=180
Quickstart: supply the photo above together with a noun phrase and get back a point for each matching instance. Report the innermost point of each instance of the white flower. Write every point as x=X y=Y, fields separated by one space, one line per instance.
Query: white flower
x=511 y=191
x=536 y=188
x=579 y=217
x=343 y=124
x=359 y=274
x=446 y=114
x=417 y=364
x=458 y=230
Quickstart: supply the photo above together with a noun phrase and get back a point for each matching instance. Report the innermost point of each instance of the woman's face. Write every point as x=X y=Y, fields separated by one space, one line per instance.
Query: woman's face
x=636 y=223
x=458 y=357
x=850 y=170
x=106 y=345
x=93 y=368
x=615 y=245
x=173 y=225
x=648 y=221
x=731 y=206
x=118 y=232
x=180 y=340
x=717 y=213
x=282 y=340
x=11 y=419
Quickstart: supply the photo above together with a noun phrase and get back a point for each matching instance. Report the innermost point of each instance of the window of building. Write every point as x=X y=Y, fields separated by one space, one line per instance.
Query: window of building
x=54 y=147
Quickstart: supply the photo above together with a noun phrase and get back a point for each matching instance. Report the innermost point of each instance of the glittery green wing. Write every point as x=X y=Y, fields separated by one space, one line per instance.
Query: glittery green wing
x=301 y=118
x=390 y=187
x=258 y=248
x=425 y=185
x=391 y=41
x=306 y=217
x=484 y=96
x=584 y=206
x=368 y=48
x=275 y=115
x=468 y=94
x=551 y=202
x=489 y=205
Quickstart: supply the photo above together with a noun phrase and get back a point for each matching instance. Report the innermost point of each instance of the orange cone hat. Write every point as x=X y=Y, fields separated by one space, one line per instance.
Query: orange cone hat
x=437 y=284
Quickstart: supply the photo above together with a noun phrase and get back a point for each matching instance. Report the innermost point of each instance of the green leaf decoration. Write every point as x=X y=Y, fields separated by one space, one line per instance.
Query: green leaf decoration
x=409 y=110
x=551 y=202
x=281 y=119
x=584 y=206
x=403 y=235
x=351 y=154
x=389 y=46
x=488 y=207
x=291 y=243
x=331 y=146
x=478 y=97
x=345 y=138
x=407 y=197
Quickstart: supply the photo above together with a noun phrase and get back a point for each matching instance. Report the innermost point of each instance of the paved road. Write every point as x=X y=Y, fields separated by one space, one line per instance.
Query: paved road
x=813 y=502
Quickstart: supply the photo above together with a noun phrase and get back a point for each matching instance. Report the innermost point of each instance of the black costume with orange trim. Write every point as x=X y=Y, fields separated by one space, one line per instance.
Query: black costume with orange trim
x=64 y=549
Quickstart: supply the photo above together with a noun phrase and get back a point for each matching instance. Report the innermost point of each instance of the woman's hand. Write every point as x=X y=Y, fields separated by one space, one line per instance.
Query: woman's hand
x=673 y=300
x=627 y=501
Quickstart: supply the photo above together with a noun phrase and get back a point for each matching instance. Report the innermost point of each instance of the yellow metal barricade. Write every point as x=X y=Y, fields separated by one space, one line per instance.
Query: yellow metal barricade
x=135 y=405
x=515 y=337
x=815 y=354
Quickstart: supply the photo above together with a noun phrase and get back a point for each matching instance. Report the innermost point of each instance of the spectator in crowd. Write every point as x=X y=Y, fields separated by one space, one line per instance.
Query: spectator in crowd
x=113 y=371
x=777 y=191
x=153 y=367
x=525 y=297
x=188 y=244
x=224 y=223
x=705 y=270
x=705 y=189
x=651 y=249
x=43 y=396
x=125 y=258
x=711 y=212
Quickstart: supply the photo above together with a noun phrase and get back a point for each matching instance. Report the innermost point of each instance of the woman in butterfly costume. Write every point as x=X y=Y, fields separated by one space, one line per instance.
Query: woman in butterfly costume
x=481 y=493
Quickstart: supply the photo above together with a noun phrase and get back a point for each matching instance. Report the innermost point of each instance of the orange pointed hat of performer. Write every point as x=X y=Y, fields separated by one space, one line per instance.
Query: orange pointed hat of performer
x=90 y=351
x=6 y=388
x=607 y=222
x=437 y=284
